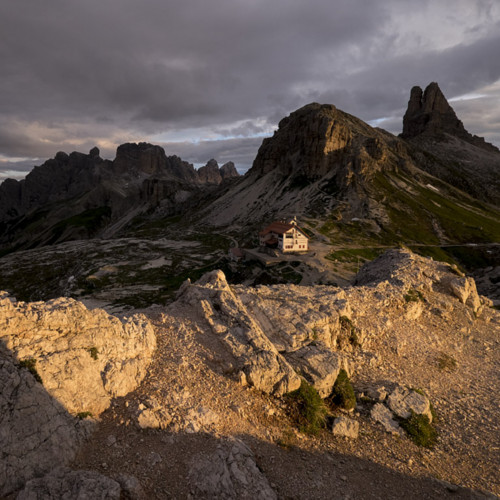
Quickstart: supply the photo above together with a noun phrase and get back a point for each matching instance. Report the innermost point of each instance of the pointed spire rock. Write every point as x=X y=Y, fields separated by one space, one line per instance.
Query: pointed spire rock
x=429 y=113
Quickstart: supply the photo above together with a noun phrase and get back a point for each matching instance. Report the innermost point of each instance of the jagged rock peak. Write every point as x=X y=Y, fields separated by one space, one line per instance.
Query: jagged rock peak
x=228 y=171
x=94 y=152
x=210 y=174
x=430 y=114
x=143 y=156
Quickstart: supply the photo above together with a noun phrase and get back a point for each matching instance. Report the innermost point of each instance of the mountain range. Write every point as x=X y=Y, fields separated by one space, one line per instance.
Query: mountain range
x=435 y=184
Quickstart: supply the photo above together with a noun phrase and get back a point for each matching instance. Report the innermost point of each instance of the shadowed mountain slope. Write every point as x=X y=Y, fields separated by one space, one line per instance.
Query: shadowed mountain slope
x=79 y=196
x=362 y=183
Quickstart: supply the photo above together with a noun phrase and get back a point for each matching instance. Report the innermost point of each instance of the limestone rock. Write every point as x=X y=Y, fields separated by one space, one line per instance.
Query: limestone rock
x=231 y=472
x=377 y=393
x=36 y=432
x=131 y=489
x=67 y=483
x=465 y=289
x=403 y=401
x=83 y=357
x=429 y=112
x=210 y=174
x=345 y=427
x=264 y=367
x=319 y=365
x=149 y=419
x=228 y=171
x=200 y=419
x=384 y=416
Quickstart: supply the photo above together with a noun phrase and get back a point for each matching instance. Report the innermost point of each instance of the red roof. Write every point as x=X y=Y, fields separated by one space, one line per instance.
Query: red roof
x=280 y=228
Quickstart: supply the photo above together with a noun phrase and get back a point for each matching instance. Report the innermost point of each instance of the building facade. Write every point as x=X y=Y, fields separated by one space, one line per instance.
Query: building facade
x=284 y=236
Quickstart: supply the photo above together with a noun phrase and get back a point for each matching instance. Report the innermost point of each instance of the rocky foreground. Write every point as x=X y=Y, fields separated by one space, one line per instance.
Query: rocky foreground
x=190 y=400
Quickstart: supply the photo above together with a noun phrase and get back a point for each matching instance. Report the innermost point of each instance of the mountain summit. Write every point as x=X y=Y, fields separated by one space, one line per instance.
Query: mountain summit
x=429 y=113
x=453 y=154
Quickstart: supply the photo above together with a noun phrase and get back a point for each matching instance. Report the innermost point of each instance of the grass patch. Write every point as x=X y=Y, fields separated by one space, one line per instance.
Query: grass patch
x=94 y=353
x=414 y=296
x=310 y=410
x=83 y=415
x=30 y=365
x=420 y=430
x=343 y=392
x=446 y=363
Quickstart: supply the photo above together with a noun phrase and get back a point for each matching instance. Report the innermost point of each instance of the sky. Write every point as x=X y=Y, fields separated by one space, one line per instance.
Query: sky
x=210 y=79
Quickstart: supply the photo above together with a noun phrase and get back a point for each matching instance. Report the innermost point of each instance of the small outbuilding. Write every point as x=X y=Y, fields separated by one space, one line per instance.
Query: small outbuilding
x=236 y=254
x=284 y=236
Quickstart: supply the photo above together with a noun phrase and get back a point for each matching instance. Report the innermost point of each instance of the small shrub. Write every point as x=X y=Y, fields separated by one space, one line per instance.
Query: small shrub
x=30 y=365
x=94 y=353
x=343 y=393
x=414 y=296
x=311 y=410
x=315 y=333
x=83 y=414
x=447 y=363
x=420 y=430
x=352 y=332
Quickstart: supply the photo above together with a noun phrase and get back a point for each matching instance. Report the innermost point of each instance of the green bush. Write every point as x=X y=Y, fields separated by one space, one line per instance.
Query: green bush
x=93 y=353
x=343 y=393
x=83 y=414
x=414 y=296
x=420 y=430
x=352 y=332
x=447 y=363
x=30 y=365
x=310 y=410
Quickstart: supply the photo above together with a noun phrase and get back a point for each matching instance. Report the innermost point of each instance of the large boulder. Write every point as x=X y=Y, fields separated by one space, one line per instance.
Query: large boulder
x=465 y=289
x=403 y=401
x=345 y=427
x=36 y=432
x=381 y=414
x=319 y=365
x=83 y=357
x=231 y=472
x=254 y=354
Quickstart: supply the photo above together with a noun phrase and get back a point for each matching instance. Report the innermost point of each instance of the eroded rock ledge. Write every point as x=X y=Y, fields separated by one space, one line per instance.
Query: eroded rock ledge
x=81 y=359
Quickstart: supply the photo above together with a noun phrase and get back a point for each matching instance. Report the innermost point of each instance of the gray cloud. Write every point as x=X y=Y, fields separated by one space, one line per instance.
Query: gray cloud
x=79 y=74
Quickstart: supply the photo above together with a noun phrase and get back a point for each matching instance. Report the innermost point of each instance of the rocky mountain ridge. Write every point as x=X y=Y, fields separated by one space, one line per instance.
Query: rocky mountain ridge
x=77 y=196
x=321 y=163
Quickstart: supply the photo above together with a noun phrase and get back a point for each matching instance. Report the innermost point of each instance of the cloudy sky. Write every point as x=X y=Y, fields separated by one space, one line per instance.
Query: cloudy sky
x=210 y=79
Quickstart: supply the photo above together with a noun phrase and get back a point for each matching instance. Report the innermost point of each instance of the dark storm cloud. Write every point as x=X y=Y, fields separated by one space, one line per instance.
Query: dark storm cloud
x=78 y=74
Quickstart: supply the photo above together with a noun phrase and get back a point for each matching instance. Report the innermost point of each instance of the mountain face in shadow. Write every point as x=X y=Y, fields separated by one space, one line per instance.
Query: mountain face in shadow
x=436 y=183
